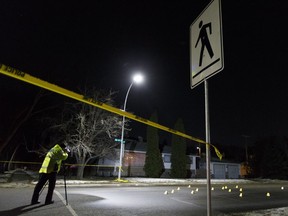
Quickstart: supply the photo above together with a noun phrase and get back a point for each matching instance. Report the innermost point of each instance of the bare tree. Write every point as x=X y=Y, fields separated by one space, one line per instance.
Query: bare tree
x=89 y=131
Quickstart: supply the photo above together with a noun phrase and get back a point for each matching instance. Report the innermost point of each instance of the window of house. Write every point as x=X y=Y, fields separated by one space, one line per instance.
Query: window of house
x=167 y=158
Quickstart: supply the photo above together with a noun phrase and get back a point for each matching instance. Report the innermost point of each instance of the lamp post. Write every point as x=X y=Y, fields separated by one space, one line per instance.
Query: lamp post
x=137 y=78
x=199 y=151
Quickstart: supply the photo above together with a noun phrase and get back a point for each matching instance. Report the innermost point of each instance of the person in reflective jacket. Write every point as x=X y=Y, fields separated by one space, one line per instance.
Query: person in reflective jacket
x=48 y=172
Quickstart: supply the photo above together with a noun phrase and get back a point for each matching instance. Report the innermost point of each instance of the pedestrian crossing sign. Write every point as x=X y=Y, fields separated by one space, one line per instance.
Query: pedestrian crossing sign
x=206 y=44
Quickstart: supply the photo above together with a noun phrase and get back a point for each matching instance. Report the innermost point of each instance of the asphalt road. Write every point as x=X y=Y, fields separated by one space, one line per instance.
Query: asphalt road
x=145 y=201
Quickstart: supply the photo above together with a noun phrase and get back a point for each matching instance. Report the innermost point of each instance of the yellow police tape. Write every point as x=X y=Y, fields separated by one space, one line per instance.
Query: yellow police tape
x=66 y=164
x=17 y=74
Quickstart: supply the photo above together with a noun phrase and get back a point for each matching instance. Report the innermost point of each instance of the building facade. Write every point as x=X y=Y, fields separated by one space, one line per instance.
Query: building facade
x=134 y=161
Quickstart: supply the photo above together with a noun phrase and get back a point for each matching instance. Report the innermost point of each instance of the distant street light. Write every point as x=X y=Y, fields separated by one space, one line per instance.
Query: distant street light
x=137 y=78
x=199 y=151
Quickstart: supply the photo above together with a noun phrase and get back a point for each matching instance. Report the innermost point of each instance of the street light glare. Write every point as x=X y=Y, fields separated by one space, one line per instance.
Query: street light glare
x=138 y=78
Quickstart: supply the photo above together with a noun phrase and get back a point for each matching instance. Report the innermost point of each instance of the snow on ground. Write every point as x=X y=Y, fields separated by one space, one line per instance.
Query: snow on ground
x=267 y=212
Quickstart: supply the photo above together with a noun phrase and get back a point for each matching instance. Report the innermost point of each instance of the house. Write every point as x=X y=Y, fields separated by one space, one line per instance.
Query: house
x=134 y=161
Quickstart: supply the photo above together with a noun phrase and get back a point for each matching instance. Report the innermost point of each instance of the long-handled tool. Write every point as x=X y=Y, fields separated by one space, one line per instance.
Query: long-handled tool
x=43 y=188
x=64 y=172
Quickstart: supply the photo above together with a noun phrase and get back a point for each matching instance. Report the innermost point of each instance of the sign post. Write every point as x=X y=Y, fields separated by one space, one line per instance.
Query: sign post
x=206 y=59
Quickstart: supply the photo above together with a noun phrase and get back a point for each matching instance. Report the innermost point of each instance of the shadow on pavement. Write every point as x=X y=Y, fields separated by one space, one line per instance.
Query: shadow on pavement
x=19 y=210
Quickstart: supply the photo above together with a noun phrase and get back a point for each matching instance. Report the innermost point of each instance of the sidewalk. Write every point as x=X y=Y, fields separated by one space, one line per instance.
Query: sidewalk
x=23 y=178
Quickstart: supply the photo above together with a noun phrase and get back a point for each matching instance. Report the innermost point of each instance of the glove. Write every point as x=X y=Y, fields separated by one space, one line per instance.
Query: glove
x=67 y=149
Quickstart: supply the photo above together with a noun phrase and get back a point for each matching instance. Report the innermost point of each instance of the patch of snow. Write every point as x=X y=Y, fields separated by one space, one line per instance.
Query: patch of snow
x=267 y=212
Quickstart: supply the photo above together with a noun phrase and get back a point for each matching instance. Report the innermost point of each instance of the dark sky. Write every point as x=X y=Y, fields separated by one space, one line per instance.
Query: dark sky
x=75 y=44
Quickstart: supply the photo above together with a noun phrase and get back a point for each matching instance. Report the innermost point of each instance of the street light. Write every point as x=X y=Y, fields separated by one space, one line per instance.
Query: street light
x=137 y=78
x=199 y=151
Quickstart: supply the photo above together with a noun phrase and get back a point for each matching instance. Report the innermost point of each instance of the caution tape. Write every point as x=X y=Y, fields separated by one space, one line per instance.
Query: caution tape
x=20 y=75
x=20 y=162
x=66 y=164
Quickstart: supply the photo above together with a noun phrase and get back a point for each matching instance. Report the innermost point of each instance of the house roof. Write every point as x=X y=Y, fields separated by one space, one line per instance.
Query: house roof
x=135 y=145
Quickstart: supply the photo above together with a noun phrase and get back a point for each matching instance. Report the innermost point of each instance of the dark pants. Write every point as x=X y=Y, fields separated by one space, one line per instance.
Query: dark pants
x=43 y=178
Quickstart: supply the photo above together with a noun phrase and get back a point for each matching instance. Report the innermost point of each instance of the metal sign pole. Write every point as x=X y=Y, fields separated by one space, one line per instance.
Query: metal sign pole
x=207 y=125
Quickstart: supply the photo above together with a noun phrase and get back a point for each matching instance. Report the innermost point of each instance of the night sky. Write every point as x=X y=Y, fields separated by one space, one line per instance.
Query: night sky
x=101 y=43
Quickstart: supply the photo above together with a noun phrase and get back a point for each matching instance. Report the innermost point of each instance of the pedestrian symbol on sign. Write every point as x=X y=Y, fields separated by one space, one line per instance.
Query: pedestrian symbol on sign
x=206 y=46
x=203 y=36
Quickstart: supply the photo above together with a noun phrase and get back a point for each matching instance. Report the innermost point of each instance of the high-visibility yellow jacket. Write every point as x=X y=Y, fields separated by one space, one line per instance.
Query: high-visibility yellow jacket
x=53 y=160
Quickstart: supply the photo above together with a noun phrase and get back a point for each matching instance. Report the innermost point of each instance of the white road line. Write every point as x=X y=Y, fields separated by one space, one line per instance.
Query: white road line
x=64 y=202
x=189 y=203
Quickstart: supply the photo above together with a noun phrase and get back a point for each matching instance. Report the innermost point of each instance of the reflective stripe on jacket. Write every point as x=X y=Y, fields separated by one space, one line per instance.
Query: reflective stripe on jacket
x=53 y=159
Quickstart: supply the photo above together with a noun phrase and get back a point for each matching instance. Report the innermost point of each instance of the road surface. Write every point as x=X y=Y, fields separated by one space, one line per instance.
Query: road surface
x=146 y=201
